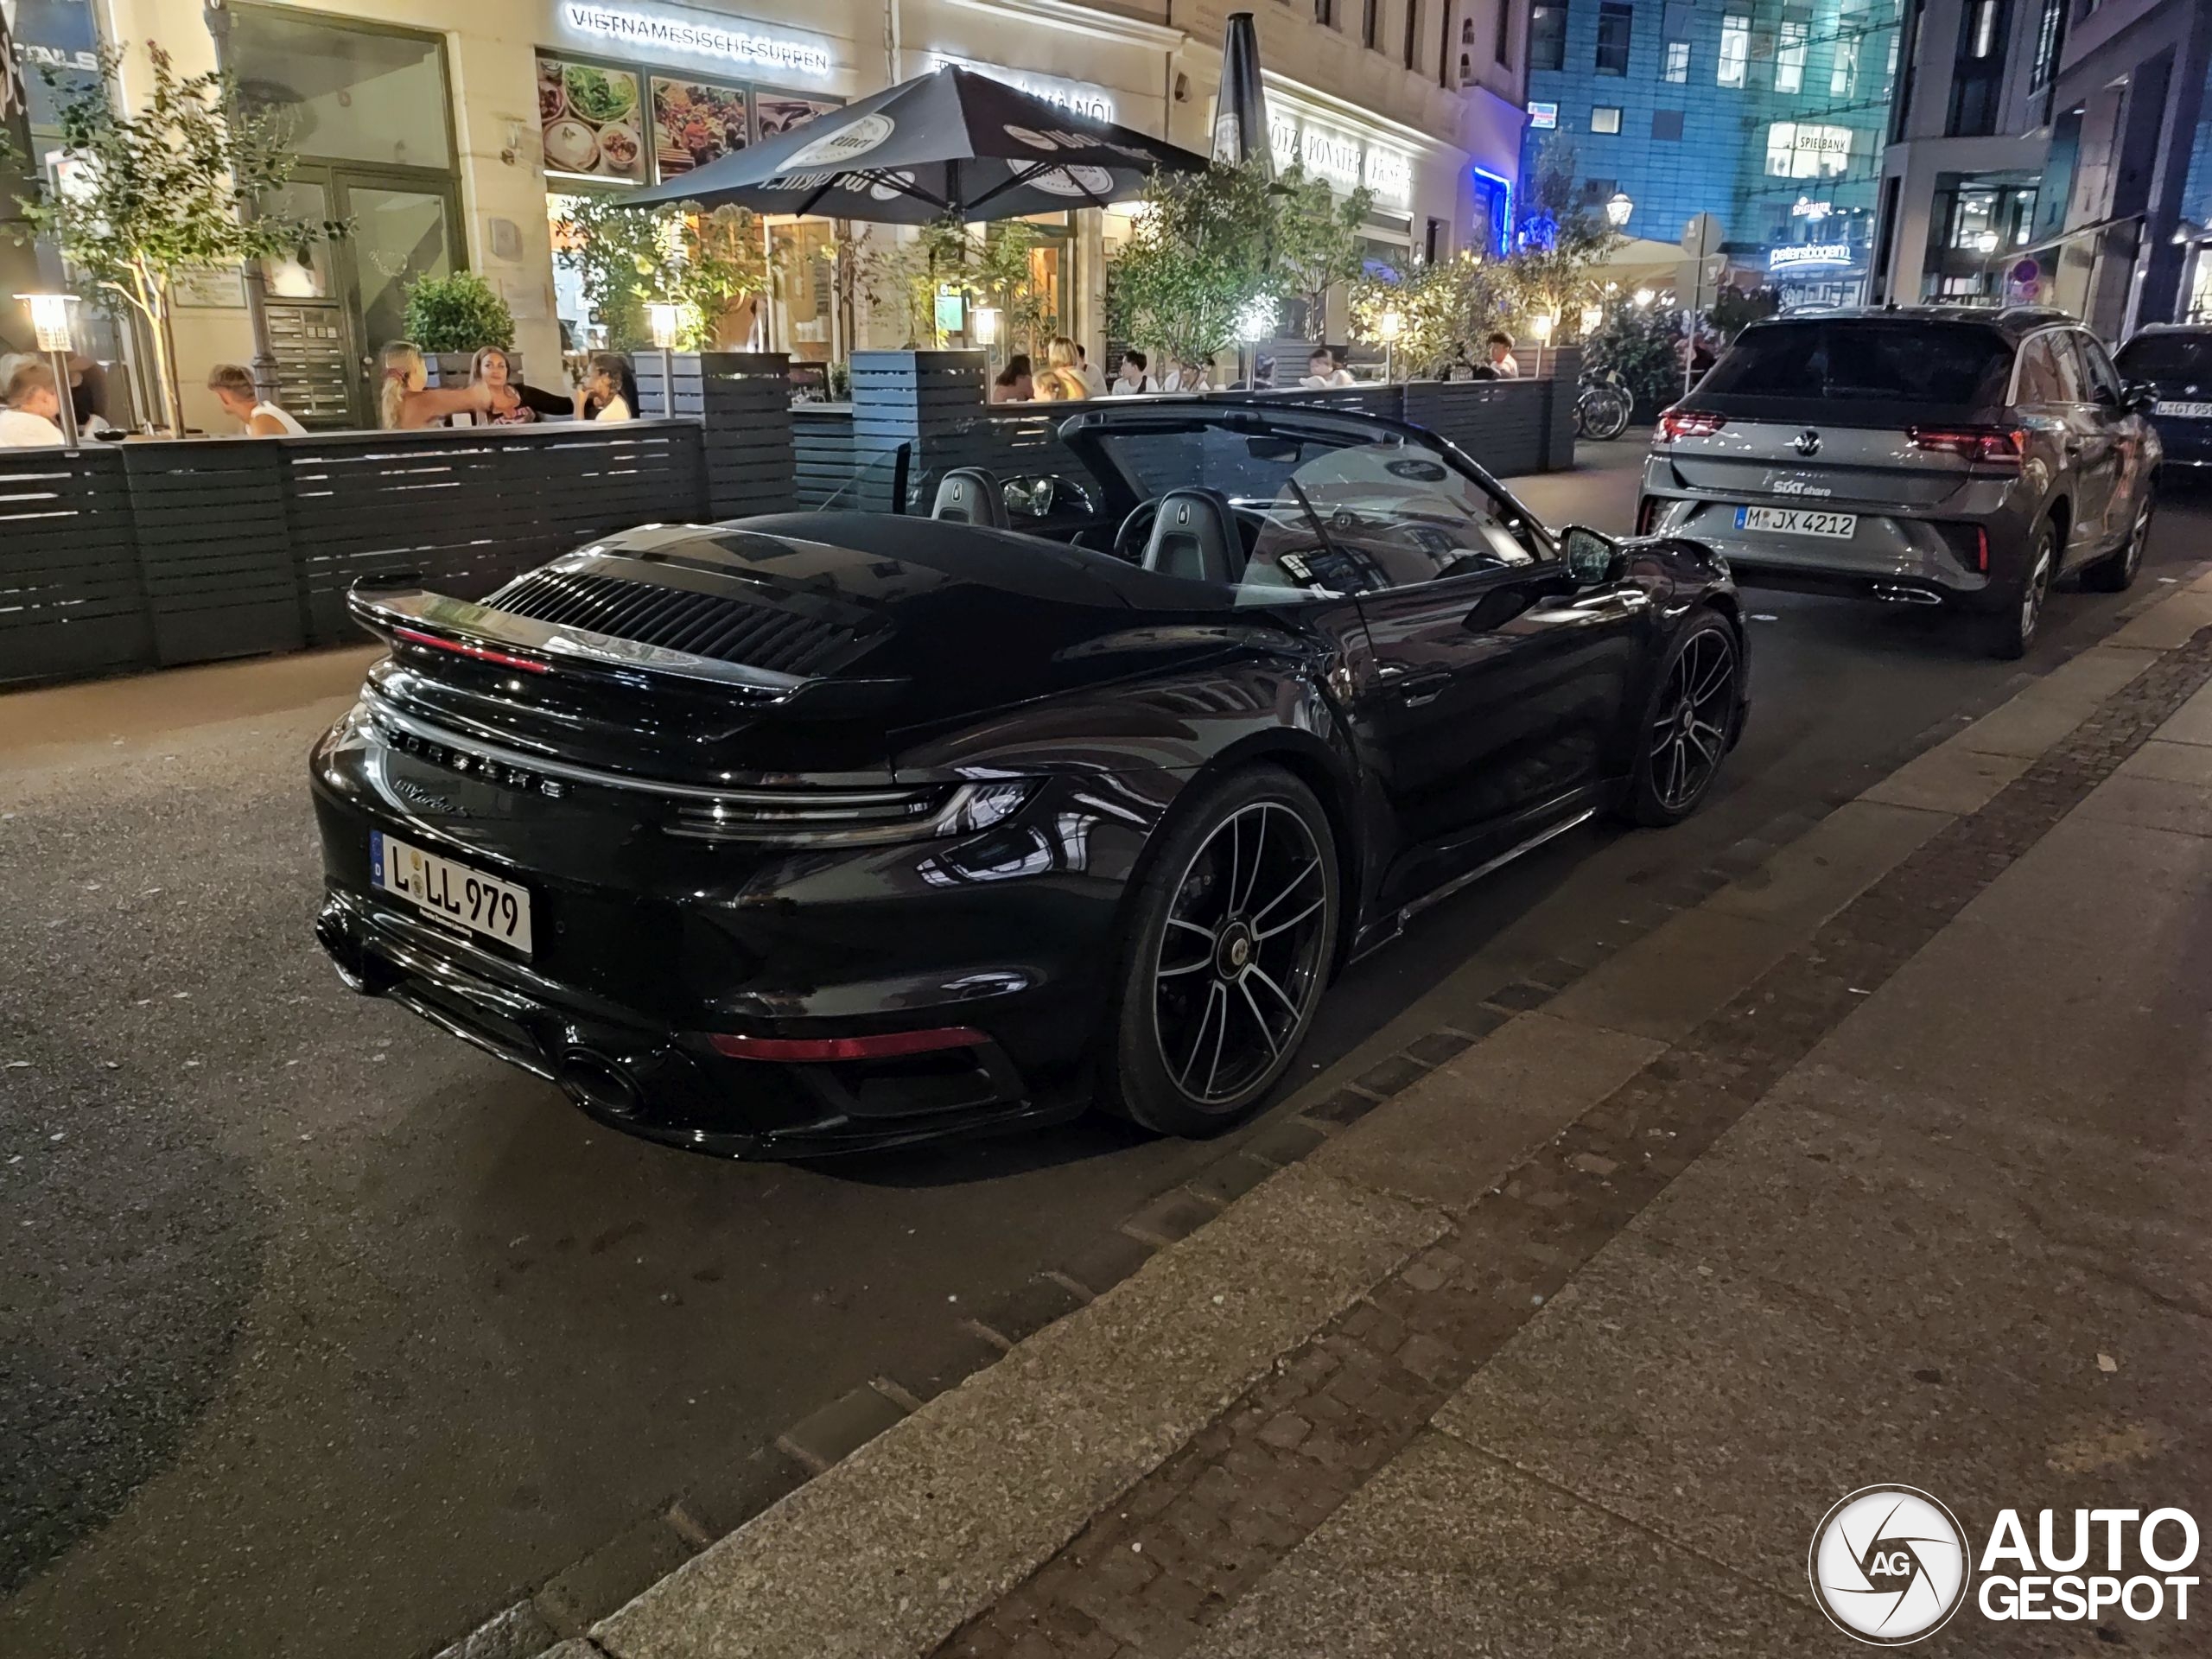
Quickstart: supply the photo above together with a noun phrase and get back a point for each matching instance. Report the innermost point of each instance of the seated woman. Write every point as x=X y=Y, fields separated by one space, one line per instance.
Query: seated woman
x=513 y=403
x=234 y=390
x=609 y=391
x=410 y=403
x=1062 y=381
x=1014 y=384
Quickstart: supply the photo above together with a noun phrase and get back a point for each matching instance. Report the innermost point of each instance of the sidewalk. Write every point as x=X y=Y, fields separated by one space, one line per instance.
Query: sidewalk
x=1883 y=1164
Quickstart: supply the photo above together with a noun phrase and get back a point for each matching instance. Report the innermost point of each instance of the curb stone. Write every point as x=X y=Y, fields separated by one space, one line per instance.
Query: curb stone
x=696 y=1520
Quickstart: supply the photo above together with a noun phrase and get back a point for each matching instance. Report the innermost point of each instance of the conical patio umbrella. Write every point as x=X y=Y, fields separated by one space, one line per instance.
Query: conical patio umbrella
x=1240 y=120
x=951 y=143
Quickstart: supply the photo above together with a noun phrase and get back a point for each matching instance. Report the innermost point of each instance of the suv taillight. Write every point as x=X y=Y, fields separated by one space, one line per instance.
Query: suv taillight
x=1687 y=423
x=2003 y=446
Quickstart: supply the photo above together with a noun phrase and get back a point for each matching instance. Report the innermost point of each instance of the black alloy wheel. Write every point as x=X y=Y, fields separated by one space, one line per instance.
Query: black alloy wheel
x=1690 y=724
x=1229 y=950
x=2116 y=574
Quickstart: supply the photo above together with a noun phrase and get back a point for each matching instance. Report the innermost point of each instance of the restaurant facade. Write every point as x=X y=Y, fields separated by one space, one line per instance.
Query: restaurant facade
x=458 y=137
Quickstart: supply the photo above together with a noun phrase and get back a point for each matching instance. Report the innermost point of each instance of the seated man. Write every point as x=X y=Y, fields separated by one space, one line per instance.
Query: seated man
x=30 y=403
x=1502 y=361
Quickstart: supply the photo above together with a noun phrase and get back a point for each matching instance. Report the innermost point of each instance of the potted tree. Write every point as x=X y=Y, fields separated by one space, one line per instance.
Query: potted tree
x=177 y=186
x=450 y=319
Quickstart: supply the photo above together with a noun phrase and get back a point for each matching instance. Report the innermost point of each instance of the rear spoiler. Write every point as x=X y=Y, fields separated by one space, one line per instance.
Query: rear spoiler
x=414 y=616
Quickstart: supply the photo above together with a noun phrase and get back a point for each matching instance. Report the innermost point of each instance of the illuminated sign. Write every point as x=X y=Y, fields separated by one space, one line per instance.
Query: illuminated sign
x=674 y=32
x=1803 y=208
x=1810 y=256
x=1069 y=95
x=1346 y=160
x=1805 y=150
x=1544 y=116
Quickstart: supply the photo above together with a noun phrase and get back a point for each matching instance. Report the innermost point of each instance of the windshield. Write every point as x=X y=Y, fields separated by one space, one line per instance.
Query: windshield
x=1867 y=360
x=2182 y=360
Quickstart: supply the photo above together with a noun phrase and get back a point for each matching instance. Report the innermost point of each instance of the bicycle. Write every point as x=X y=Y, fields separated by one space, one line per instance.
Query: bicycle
x=1602 y=405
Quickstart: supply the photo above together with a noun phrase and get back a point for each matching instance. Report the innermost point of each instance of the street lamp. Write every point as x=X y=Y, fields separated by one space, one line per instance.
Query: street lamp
x=663 y=316
x=1541 y=326
x=1643 y=298
x=50 y=323
x=1389 y=327
x=1618 y=207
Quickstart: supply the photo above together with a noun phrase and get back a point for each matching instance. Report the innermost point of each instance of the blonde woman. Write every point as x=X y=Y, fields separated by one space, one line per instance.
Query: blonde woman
x=1062 y=381
x=513 y=403
x=408 y=401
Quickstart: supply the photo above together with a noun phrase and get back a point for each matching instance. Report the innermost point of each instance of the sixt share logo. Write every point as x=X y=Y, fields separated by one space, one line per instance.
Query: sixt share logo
x=1889 y=1565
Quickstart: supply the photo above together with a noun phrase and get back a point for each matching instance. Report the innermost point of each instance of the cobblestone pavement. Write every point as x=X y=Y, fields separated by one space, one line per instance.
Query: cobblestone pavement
x=1181 y=1550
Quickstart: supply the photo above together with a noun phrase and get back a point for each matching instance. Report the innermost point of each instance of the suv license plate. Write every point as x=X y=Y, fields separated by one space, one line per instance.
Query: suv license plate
x=2185 y=411
x=1798 y=521
x=453 y=893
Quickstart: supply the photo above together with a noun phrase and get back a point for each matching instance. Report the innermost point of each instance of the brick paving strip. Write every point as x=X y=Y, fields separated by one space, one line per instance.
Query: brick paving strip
x=1205 y=1454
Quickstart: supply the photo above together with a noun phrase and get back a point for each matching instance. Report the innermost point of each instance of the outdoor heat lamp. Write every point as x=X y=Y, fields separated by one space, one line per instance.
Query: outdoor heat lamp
x=50 y=320
x=1389 y=327
x=50 y=323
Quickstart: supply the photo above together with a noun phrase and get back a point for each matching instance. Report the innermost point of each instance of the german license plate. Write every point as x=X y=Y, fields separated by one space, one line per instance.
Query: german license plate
x=453 y=893
x=2185 y=411
x=1798 y=521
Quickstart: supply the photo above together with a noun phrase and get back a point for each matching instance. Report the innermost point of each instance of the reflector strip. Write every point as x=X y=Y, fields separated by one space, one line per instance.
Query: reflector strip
x=813 y=1050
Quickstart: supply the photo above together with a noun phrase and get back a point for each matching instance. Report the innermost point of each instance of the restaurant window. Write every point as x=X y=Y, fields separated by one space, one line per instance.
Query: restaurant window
x=1547 y=37
x=1678 y=61
x=1789 y=57
x=347 y=93
x=1605 y=118
x=1735 y=51
x=1615 y=25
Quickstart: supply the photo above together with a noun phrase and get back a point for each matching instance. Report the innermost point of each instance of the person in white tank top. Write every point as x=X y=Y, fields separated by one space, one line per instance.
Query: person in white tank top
x=233 y=388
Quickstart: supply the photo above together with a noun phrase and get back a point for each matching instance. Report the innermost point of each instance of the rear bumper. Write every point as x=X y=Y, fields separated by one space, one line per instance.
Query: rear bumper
x=666 y=1086
x=648 y=945
x=1901 y=558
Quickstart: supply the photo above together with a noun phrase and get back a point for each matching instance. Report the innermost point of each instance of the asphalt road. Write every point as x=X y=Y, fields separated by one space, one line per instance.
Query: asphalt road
x=325 y=1335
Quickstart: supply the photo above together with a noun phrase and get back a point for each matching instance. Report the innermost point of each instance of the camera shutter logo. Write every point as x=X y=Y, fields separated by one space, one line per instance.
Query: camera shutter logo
x=1889 y=1565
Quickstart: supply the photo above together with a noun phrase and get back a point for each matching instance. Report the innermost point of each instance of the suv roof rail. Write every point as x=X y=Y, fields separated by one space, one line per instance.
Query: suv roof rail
x=2036 y=314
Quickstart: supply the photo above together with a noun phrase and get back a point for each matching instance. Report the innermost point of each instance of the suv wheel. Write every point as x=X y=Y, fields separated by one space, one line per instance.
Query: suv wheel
x=2116 y=574
x=2014 y=631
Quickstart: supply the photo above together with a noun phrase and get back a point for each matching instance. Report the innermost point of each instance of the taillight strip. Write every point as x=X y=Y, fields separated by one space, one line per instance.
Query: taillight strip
x=480 y=653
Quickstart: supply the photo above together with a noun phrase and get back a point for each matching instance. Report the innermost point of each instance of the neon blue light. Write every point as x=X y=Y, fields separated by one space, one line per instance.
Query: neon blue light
x=1503 y=225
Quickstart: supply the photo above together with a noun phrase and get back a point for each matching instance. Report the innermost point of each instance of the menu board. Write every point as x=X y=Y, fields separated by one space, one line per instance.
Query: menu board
x=776 y=112
x=592 y=118
x=695 y=122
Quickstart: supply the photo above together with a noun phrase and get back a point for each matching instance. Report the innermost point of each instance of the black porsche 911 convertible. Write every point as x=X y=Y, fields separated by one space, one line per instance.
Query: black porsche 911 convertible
x=844 y=828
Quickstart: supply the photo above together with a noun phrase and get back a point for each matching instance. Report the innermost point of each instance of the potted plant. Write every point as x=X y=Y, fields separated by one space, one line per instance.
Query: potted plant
x=450 y=319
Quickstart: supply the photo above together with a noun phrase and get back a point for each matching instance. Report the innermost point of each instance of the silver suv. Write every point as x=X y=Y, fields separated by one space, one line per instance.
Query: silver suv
x=1936 y=456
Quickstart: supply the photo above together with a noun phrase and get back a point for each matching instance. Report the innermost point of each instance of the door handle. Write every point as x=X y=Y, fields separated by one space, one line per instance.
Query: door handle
x=1420 y=688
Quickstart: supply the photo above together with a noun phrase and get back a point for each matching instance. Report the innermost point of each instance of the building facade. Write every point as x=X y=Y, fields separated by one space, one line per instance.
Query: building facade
x=1768 y=114
x=452 y=137
x=2054 y=150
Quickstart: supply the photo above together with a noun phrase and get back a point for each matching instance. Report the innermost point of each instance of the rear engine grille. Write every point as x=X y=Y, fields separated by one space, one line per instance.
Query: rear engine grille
x=721 y=626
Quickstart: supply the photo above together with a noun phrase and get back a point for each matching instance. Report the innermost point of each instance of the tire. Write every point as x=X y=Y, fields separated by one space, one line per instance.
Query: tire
x=1679 y=754
x=1609 y=414
x=2013 y=632
x=1224 y=956
x=2116 y=574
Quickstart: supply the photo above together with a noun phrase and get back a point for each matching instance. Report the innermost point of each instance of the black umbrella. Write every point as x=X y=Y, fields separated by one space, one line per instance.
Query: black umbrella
x=1240 y=118
x=953 y=143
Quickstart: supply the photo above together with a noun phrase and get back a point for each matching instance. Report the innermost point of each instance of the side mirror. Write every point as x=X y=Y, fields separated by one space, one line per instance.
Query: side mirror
x=1591 y=557
x=2138 y=397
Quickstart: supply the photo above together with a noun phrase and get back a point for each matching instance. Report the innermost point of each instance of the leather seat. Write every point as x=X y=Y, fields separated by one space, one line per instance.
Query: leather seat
x=971 y=495
x=1195 y=535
